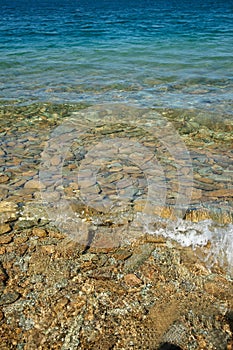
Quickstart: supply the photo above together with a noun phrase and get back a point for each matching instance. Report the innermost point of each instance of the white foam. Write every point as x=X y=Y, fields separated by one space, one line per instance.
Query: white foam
x=197 y=235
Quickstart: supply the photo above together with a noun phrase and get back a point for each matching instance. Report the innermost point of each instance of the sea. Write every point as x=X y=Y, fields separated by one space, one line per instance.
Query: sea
x=153 y=54
x=173 y=53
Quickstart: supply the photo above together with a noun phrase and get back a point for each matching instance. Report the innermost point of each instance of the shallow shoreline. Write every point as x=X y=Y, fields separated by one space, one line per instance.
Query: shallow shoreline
x=115 y=284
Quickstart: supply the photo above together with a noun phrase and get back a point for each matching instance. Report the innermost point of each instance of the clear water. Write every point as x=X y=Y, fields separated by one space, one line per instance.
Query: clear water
x=153 y=53
x=149 y=53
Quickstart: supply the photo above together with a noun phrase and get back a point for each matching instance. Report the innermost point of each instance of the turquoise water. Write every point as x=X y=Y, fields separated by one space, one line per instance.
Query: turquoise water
x=146 y=53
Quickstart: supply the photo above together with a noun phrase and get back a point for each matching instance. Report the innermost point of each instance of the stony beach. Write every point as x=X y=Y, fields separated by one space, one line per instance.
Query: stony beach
x=82 y=187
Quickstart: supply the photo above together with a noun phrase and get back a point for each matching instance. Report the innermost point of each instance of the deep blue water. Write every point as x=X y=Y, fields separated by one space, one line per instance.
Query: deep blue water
x=150 y=53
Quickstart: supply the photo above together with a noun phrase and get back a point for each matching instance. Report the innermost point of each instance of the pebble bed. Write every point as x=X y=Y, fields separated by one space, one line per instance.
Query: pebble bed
x=77 y=269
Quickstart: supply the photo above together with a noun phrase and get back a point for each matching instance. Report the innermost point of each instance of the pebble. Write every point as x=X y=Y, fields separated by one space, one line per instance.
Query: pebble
x=56 y=160
x=4 y=178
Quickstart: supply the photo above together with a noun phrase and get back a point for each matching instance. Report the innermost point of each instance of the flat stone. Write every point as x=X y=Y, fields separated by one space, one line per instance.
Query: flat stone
x=206 y=186
x=8 y=211
x=33 y=184
x=114 y=177
x=115 y=167
x=50 y=196
x=2 y=153
x=56 y=160
x=124 y=183
x=5 y=239
x=3 y=193
x=87 y=182
x=39 y=232
x=56 y=234
x=19 y=183
x=203 y=179
x=48 y=249
x=225 y=192
x=6 y=206
x=132 y=280
x=5 y=228
x=196 y=194
x=122 y=254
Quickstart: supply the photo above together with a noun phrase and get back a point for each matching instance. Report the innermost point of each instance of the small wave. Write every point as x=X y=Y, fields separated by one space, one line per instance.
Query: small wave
x=214 y=240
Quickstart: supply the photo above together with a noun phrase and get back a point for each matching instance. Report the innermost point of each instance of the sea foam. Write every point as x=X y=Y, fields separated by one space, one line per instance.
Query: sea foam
x=214 y=241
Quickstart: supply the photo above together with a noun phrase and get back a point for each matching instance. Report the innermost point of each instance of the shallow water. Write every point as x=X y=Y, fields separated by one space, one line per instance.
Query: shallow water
x=167 y=69
x=121 y=171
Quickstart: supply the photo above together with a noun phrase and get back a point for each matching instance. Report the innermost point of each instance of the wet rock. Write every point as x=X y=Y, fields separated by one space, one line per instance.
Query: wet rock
x=4 y=178
x=8 y=211
x=56 y=160
x=35 y=184
x=228 y=192
x=3 y=193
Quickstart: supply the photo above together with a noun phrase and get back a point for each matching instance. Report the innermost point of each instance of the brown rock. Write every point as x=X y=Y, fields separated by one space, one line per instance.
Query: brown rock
x=33 y=184
x=5 y=239
x=60 y=305
x=2 y=153
x=56 y=160
x=5 y=228
x=56 y=234
x=132 y=280
x=6 y=206
x=196 y=194
x=3 y=193
x=3 y=274
x=20 y=239
x=2 y=250
x=49 y=249
x=122 y=254
x=203 y=179
x=225 y=192
x=3 y=178
x=1 y=315
x=40 y=232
